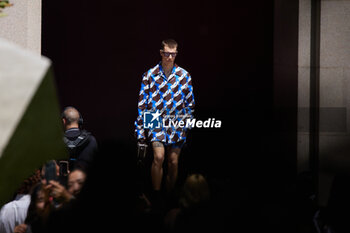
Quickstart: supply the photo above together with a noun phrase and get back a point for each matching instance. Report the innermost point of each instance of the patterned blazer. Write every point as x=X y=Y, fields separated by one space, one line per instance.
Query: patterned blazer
x=172 y=98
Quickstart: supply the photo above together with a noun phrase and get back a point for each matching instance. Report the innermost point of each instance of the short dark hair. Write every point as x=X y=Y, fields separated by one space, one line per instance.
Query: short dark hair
x=171 y=43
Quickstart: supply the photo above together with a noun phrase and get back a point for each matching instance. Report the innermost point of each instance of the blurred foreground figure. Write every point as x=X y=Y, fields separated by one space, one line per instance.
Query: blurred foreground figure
x=14 y=213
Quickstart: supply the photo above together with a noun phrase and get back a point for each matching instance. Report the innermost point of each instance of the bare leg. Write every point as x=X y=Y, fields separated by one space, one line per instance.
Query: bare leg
x=157 y=165
x=173 y=159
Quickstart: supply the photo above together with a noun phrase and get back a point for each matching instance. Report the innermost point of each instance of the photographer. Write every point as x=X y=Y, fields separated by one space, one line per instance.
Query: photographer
x=39 y=209
x=82 y=146
x=15 y=212
x=59 y=193
x=76 y=180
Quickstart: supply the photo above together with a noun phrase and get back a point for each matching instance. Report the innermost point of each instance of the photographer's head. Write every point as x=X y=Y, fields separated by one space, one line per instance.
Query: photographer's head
x=71 y=118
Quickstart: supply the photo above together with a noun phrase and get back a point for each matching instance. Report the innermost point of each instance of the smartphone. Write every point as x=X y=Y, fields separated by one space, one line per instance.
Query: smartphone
x=63 y=168
x=50 y=171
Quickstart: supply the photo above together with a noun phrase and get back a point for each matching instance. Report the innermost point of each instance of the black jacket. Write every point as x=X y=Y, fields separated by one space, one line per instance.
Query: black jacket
x=85 y=150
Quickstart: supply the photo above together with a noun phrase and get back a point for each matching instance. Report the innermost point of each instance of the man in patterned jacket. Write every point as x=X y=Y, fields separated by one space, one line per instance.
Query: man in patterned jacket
x=167 y=94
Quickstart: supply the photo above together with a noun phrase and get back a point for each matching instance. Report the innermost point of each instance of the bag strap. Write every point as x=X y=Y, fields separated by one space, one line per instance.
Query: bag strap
x=80 y=140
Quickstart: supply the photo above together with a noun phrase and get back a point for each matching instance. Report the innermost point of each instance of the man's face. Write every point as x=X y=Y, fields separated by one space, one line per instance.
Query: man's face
x=168 y=55
x=76 y=181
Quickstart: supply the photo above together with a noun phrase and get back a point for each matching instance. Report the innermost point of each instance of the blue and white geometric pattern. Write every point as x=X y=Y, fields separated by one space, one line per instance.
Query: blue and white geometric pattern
x=172 y=97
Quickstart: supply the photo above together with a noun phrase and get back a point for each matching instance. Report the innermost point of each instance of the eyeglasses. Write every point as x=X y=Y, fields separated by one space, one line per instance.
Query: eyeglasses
x=167 y=54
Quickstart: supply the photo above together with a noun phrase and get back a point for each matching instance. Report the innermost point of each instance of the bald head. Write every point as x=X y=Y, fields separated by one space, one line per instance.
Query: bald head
x=70 y=117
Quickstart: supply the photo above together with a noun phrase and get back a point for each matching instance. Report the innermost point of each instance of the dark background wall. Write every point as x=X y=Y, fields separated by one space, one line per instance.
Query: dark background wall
x=100 y=52
x=101 y=49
